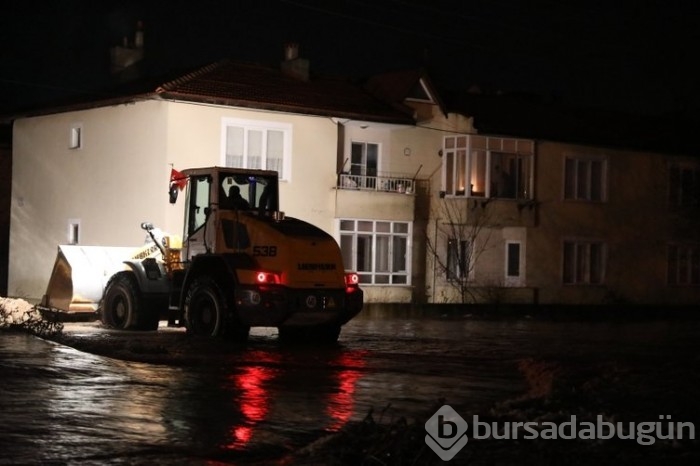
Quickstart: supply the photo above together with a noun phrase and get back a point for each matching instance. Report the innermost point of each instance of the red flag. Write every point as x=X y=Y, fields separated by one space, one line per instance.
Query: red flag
x=177 y=179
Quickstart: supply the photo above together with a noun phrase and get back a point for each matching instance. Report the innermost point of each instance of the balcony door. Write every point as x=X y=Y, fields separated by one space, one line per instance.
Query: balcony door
x=363 y=163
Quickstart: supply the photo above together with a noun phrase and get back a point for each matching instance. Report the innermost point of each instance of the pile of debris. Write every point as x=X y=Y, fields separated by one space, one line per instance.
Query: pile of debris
x=19 y=315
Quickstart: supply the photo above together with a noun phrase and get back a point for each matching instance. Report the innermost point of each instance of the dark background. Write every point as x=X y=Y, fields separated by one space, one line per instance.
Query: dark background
x=637 y=57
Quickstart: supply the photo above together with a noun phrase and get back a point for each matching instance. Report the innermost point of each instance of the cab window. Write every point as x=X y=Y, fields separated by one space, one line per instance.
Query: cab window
x=198 y=206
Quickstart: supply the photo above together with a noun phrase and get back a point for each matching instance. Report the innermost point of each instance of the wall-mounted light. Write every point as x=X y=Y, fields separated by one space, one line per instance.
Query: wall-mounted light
x=407 y=151
x=440 y=153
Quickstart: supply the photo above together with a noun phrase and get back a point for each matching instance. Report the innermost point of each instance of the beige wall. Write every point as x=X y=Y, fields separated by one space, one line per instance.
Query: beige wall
x=117 y=179
x=632 y=222
x=423 y=160
x=195 y=139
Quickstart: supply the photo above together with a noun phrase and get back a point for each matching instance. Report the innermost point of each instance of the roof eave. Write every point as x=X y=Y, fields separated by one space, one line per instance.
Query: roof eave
x=74 y=107
x=276 y=107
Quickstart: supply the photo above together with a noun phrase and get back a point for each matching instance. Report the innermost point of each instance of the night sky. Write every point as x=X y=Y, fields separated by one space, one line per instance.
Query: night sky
x=605 y=54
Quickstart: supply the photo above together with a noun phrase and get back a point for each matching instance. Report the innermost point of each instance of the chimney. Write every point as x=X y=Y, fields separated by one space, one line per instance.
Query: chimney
x=138 y=36
x=291 y=51
x=293 y=66
x=125 y=58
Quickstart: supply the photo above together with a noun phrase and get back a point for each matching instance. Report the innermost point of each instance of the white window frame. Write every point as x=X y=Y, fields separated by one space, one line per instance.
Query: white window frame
x=363 y=165
x=75 y=136
x=519 y=279
x=464 y=155
x=584 y=193
x=370 y=277
x=582 y=262
x=262 y=126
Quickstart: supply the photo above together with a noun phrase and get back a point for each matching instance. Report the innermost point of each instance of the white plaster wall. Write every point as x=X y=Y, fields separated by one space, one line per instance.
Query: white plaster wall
x=387 y=294
x=117 y=179
x=195 y=140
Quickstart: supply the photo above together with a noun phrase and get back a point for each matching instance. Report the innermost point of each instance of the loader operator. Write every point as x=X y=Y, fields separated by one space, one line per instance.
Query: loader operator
x=235 y=200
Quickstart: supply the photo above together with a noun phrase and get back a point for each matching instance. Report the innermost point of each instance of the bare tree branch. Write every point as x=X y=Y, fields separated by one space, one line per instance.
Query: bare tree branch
x=460 y=236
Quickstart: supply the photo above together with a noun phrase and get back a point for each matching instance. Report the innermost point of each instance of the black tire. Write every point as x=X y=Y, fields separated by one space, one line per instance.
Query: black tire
x=123 y=308
x=207 y=312
x=318 y=335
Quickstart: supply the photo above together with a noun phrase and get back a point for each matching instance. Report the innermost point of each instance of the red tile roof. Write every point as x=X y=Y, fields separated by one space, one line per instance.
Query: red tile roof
x=259 y=87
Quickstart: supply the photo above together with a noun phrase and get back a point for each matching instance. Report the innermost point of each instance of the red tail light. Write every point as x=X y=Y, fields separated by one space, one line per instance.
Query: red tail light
x=267 y=278
x=352 y=280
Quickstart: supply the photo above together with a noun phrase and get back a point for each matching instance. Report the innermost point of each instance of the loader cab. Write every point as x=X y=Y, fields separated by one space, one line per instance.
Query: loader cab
x=223 y=192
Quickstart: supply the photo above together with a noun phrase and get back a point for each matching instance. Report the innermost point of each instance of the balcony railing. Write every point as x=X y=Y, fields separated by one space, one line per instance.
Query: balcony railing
x=390 y=183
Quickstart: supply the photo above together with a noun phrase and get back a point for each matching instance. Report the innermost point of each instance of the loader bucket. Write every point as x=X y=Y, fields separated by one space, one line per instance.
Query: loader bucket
x=80 y=275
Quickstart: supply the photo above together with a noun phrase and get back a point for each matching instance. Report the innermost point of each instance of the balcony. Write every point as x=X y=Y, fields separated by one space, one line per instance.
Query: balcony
x=384 y=182
x=379 y=197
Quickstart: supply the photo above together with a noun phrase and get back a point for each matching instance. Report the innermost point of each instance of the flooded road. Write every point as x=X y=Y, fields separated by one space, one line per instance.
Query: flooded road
x=259 y=402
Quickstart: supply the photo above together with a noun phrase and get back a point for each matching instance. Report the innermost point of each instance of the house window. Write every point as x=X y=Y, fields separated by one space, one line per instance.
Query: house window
x=457 y=259
x=512 y=259
x=514 y=275
x=584 y=262
x=75 y=140
x=684 y=186
x=477 y=166
x=684 y=264
x=377 y=250
x=454 y=167
x=73 y=231
x=584 y=179
x=260 y=145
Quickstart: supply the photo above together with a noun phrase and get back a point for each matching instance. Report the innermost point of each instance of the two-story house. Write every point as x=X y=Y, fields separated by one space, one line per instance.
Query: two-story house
x=535 y=207
x=89 y=173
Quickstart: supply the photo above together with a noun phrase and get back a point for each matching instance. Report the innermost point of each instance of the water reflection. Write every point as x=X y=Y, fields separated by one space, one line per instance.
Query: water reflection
x=295 y=389
x=254 y=399
x=59 y=404
x=117 y=403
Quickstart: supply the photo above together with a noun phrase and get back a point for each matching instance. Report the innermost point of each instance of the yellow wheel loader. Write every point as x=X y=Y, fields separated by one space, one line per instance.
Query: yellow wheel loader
x=240 y=263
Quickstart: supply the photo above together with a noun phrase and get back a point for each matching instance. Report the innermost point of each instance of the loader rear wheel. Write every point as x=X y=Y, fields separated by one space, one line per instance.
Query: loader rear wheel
x=123 y=307
x=207 y=312
x=205 y=308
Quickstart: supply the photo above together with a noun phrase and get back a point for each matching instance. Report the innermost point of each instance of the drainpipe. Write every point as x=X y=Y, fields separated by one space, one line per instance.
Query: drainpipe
x=435 y=260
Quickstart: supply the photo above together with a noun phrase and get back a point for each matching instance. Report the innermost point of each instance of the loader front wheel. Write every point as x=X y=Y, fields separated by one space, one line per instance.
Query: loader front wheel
x=121 y=303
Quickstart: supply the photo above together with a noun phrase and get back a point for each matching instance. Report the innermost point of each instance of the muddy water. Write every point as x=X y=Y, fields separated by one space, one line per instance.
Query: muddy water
x=64 y=406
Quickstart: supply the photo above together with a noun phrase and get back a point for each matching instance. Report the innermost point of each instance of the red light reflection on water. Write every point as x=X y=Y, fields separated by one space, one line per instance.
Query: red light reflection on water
x=254 y=402
x=340 y=405
x=253 y=384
